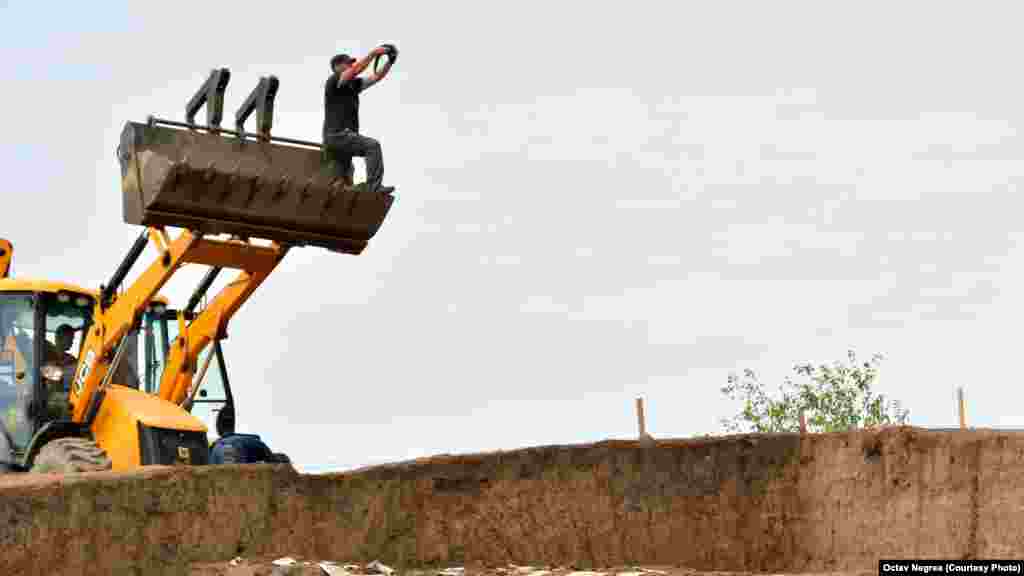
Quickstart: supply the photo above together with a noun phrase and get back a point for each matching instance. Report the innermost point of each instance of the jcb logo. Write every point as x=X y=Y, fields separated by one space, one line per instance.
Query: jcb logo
x=83 y=373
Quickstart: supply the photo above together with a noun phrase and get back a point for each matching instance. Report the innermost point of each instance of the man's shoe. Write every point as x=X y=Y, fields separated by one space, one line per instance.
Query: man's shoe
x=386 y=189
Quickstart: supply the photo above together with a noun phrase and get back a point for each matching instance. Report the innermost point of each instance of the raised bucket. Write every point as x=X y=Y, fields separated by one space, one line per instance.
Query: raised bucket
x=217 y=184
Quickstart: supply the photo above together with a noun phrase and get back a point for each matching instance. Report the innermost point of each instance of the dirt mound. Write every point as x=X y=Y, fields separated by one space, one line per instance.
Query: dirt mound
x=780 y=503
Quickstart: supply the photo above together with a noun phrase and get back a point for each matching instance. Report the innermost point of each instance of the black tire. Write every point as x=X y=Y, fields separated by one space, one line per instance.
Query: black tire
x=71 y=455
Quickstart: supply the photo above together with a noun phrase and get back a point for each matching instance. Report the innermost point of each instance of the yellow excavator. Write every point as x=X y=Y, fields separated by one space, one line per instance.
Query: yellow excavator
x=77 y=393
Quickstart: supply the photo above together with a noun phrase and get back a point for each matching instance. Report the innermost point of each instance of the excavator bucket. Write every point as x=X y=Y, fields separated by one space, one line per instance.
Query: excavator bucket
x=212 y=183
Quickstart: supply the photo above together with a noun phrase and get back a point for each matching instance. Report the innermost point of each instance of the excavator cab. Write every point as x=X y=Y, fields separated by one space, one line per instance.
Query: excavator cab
x=42 y=333
x=42 y=327
x=34 y=371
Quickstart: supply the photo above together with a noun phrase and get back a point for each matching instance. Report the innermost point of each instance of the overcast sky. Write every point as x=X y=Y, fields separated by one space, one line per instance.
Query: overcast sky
x=594 y=204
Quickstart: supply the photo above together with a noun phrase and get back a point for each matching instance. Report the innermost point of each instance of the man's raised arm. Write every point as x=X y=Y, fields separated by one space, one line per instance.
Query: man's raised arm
x=374 y=78
x=360 y=65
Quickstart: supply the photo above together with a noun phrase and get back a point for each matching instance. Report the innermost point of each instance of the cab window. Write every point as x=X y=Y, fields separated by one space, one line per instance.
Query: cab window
x=17 y=361
x=212 y=396
x=68 y=317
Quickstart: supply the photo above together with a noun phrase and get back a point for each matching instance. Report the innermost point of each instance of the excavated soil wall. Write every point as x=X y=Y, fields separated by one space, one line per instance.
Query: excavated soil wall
x=779 y=503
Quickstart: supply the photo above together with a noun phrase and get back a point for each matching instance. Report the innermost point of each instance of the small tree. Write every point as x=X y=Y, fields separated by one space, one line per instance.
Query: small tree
x=833 y=398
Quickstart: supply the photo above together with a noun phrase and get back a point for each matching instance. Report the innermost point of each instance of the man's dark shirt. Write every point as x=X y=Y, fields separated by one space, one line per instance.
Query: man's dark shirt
x=341 y=105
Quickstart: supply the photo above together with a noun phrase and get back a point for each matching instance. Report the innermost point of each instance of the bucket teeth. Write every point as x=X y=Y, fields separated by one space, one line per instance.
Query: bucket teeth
x=254 y=186
x=282 y=188
x=305 y=194
x=233 y=183
x=329 y=200
x=176 y=170
x=236 y=173
x=211 y=172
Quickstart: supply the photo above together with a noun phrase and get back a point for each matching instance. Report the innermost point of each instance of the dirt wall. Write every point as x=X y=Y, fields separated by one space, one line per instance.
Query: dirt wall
x=751 y=503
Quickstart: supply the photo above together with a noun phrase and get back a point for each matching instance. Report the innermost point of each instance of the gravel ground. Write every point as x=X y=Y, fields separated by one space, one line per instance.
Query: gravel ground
x=303 y=567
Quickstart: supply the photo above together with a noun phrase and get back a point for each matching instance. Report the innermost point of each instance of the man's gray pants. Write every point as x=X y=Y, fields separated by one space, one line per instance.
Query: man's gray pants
x=346 y=144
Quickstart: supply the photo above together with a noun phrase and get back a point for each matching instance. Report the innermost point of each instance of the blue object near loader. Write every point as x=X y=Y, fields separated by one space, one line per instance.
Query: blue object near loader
x=244 y=449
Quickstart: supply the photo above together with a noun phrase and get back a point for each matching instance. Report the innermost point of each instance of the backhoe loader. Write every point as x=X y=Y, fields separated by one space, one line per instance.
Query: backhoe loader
x=76 y=392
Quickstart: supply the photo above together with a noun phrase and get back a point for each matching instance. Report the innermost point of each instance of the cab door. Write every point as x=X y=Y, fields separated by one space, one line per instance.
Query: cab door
x=213 y=403
x=19 y=349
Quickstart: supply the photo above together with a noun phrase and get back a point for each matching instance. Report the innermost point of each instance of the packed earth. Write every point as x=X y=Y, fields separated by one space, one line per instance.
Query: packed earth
x=288 y=566
x=747 y=504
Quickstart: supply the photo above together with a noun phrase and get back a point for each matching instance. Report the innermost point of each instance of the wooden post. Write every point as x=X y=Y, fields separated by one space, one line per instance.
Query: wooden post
x=640 y=417
x=960 y=401
x=803 y=423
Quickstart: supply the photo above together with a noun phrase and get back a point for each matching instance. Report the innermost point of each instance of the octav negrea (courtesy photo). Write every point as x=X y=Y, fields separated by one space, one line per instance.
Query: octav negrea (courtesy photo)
x=952 y=567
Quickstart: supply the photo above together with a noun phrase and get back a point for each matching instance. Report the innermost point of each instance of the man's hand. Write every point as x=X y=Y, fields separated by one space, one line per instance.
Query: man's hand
x=376 y=53
x=357 y=68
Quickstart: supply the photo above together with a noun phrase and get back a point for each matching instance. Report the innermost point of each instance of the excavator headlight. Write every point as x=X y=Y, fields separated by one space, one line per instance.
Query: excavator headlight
x=63 y=297
x=52 y=372
x=81 y=301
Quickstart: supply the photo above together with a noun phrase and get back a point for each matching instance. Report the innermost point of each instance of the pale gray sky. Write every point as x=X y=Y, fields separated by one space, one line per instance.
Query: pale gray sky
x=594 y=204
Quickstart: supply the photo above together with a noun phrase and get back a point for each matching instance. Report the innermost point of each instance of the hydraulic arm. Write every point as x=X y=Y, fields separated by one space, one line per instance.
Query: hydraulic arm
x=211 y=323
x=117 y=314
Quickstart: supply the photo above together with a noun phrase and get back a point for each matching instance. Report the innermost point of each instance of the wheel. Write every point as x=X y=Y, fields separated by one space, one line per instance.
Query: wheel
x=69 y=455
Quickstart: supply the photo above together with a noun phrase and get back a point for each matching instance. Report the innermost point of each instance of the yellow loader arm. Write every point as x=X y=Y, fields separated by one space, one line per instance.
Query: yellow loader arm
x=256 y=263
x=114 y=318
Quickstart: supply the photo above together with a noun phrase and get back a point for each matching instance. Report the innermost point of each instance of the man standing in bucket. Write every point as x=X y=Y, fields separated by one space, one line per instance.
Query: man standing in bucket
x=341 y=114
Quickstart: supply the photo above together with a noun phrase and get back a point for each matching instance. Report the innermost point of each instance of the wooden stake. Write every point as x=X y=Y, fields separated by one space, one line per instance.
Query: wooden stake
x=803 y=423
x=960 y=400
x=640 y=417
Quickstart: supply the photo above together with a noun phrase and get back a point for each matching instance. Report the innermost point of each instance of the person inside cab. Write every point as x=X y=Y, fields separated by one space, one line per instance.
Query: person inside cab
x=57 y=372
